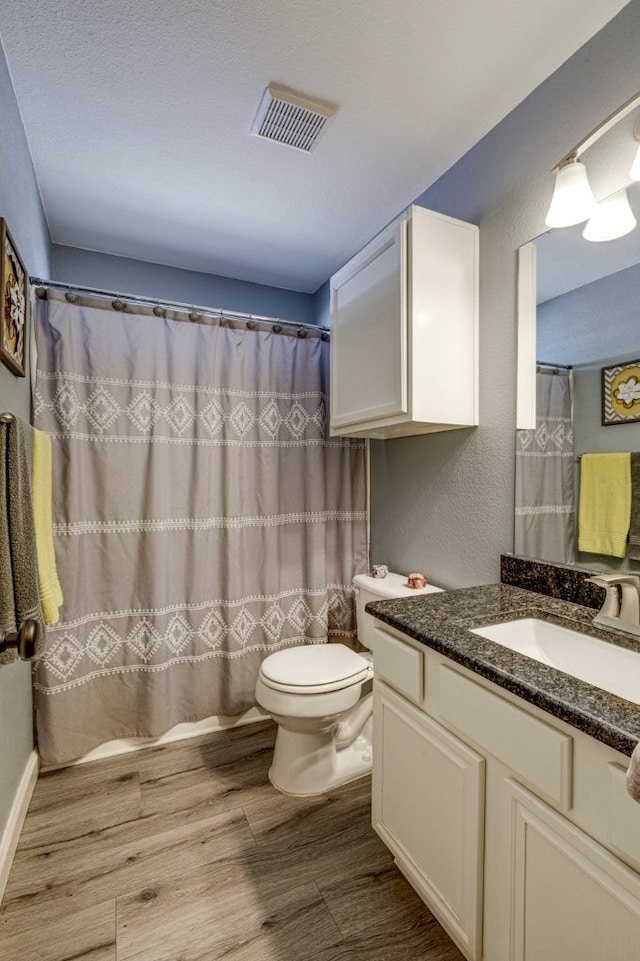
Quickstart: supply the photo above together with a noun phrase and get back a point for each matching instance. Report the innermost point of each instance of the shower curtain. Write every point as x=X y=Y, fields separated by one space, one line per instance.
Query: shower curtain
x=545 y=468
x=202 y=516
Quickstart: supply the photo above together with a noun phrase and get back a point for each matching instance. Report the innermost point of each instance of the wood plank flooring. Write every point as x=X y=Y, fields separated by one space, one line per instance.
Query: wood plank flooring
x=185 y=852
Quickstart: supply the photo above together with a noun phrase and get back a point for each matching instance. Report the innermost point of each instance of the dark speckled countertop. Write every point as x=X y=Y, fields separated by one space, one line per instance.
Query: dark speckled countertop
x=443 y=622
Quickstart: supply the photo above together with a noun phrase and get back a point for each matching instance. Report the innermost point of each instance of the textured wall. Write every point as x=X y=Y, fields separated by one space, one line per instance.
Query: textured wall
x=595 y=322
x=90 y=269
x=590 y=435
x=321 y=305
x=444 y=502
x=20 y=206
x=588 y=431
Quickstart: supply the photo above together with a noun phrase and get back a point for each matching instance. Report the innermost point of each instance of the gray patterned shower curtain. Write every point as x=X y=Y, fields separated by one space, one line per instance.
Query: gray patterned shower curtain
x=202 y=516
x=545 y=472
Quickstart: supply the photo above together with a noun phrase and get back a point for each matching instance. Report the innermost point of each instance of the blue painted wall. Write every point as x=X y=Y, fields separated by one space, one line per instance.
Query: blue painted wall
x=598 y=321
x=106 y=272
x=444 y=502
x=590 y=327
x=21 y=208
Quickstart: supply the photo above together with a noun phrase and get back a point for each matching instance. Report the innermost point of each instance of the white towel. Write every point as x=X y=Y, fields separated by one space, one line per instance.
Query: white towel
x=633 y=775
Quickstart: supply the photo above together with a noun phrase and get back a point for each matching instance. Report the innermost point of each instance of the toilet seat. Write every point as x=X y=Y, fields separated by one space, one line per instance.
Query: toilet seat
x=314 y=669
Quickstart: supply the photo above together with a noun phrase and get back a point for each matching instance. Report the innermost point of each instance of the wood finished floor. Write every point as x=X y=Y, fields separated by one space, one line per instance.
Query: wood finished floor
x=185 y=852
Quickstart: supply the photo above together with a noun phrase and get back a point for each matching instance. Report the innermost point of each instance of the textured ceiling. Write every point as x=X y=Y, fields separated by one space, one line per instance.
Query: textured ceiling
x=138 y=117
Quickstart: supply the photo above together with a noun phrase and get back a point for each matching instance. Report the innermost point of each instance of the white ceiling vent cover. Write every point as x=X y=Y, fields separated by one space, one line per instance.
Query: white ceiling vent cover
x=291 y=119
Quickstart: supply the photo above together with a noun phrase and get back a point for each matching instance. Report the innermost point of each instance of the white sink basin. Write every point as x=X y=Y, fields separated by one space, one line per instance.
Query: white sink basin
x=614 y=669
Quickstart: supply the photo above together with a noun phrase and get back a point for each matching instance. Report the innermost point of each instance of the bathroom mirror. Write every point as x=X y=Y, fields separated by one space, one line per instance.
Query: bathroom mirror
x=579 y=312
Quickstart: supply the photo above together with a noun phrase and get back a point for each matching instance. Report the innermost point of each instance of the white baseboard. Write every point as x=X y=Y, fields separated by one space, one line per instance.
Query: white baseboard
x=13 y=828
x=178 y=733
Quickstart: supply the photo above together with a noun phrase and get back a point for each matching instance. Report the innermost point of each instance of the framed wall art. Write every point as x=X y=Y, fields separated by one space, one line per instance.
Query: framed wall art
x=15 y=302
x=621 y=393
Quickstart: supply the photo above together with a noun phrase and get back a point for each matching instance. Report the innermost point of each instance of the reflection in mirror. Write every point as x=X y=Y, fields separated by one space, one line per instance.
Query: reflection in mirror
x=587 y=395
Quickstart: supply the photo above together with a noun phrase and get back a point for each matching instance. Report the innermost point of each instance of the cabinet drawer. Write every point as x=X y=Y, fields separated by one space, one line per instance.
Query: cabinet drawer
x=537 y=752
x=399 y=664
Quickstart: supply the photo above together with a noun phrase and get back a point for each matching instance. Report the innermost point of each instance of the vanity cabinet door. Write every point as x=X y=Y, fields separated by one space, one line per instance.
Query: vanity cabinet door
x=428 y=808
x=572 y=899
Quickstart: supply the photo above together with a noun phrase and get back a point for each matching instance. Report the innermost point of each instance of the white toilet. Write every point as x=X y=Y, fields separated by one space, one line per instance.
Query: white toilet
x=314 y=694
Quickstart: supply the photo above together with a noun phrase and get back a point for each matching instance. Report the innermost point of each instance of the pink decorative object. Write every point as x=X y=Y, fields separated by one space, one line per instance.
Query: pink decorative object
x=379 y=570
x=416 y=581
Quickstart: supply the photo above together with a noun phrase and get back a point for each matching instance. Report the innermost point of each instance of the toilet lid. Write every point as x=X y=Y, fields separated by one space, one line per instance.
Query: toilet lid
x=393 y=585
x=314 y=666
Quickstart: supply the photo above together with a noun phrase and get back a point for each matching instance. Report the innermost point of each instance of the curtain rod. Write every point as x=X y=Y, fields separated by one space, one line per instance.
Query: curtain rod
x=195 y=309
x=543 y=363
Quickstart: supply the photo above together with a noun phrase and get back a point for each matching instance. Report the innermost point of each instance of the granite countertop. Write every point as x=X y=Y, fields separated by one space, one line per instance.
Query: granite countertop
x=443 y=622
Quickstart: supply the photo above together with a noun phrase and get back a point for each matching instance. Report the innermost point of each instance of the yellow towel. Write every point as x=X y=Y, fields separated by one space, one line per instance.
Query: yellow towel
x=605 y=504
x=50 y=590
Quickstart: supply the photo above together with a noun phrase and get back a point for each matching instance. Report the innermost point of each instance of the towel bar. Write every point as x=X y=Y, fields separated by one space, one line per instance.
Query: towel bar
x=7 y=418
x=24 y=640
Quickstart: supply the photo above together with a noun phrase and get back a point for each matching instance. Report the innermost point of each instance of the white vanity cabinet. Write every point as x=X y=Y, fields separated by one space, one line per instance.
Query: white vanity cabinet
x=514 y=827
x=404 y=330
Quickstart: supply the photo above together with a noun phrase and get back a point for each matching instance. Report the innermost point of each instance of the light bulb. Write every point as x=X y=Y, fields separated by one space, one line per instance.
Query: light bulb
x=613 y=218
x=572 y=201
x=634 y=173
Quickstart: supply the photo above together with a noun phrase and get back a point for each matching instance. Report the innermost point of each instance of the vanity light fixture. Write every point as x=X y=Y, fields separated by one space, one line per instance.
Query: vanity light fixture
x=613 y=218
x=573 y=201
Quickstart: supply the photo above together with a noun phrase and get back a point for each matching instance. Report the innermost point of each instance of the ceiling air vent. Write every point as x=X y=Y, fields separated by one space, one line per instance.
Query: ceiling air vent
x=291 y=119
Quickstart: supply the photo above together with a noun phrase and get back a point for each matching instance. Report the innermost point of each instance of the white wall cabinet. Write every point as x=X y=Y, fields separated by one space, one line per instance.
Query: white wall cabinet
x=404 y=338
x=464 y=762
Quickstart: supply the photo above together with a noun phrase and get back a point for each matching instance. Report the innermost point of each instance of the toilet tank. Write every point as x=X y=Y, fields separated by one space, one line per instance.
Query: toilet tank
x=369 y=588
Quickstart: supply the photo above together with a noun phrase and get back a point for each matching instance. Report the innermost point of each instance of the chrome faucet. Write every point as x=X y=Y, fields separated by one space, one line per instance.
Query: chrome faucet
x=621 y=608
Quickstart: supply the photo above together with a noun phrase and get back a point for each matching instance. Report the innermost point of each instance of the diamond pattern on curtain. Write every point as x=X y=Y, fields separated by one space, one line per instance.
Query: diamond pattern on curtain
x=202 y=516
x=545 y=474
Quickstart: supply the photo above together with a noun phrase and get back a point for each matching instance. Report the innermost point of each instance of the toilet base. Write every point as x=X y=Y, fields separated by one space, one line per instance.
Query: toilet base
x=305 y=763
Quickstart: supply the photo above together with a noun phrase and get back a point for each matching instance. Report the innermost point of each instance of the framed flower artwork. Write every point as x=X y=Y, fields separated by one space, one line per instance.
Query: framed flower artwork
x=621 y=393
x=15 y=301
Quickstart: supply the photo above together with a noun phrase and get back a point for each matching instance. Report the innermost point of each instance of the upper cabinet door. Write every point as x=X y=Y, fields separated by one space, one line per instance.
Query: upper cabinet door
x=404 y=338
x=369 y=332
